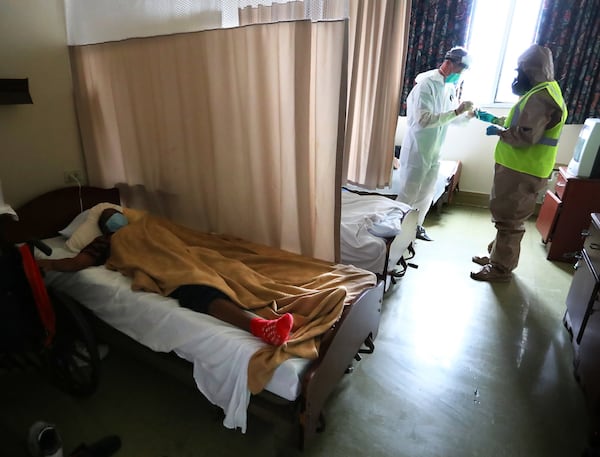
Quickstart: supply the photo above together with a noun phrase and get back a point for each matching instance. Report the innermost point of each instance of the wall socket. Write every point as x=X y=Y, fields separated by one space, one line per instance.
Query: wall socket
x=71 y=177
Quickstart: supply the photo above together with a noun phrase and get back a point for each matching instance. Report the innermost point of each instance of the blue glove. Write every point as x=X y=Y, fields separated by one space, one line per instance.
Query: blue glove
x=484 y=116
x=493 y=130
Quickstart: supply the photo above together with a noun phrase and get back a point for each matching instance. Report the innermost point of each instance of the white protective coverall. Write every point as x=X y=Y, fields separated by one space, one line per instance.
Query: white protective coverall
x=430 y=108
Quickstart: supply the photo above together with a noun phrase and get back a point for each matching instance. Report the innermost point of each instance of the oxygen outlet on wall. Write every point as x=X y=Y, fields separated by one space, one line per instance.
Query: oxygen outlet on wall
x=73 y=177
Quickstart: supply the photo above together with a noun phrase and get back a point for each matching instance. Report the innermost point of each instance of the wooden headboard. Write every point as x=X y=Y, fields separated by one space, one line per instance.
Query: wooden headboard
x=43 y=216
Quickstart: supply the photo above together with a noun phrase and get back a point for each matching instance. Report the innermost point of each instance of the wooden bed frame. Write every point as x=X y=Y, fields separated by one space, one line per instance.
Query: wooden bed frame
x=353 y=334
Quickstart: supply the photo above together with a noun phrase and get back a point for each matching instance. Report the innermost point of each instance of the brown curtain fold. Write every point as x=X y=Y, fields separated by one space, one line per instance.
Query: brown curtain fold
x=378 y=34
x=232 y=130
x=378 y=37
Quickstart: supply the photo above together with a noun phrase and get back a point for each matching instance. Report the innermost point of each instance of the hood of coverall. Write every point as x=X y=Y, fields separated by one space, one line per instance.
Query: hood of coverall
x=537 y=64
x=435 y=72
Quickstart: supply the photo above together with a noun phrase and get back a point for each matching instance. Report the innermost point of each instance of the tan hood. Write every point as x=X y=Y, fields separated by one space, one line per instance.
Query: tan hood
x=537 y=64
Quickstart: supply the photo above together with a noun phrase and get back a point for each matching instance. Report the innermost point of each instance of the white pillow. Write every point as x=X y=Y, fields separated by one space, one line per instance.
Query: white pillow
x=74 y=225
x=89 y=230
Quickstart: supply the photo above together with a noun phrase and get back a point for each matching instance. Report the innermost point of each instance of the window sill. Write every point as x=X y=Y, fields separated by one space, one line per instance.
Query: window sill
x=496 y=106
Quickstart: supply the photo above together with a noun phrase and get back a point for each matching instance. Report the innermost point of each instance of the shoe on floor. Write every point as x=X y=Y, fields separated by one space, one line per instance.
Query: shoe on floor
x=422 y=234
x=491 y=273
x=104 y=447
x=481 y=260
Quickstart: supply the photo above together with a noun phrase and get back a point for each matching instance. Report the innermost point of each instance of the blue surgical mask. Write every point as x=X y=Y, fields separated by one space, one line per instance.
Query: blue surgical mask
x=115 y=222
x=452 y=78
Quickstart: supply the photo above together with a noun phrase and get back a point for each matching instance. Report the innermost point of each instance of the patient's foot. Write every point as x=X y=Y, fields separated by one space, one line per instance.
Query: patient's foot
x=275 y=332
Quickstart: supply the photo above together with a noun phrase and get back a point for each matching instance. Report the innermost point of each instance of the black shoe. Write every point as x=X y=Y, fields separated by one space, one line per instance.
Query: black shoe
x=104 y=447
x=422 y=234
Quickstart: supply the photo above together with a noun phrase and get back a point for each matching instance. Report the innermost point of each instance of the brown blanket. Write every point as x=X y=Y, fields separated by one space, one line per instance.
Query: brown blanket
x=159 y=256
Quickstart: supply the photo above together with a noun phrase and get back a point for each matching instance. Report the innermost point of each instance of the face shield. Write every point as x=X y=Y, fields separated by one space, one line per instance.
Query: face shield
x=461 y=59
x=459 y=56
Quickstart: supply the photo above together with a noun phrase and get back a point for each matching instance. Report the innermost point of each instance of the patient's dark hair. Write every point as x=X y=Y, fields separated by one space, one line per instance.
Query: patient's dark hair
x=105 y=216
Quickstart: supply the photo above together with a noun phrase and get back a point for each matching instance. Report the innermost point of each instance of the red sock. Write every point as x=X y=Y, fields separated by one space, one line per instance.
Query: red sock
x=275 y=332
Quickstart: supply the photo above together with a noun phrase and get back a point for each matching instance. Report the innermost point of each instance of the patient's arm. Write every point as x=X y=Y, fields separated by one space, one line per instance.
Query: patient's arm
x=95 y=253
x=77 y=263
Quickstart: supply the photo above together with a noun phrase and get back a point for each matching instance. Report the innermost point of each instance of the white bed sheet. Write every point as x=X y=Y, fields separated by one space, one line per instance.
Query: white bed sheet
x=365 y=221
x=445 y=174
x=219 y=351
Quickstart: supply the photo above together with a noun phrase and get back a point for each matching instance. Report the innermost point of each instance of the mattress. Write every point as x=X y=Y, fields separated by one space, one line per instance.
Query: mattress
x=366 y=222
x=445 y=175
x=218 y=351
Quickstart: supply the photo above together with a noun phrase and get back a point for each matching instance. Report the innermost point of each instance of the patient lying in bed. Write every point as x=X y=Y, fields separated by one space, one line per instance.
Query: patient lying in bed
x=203 y=298
x=150 y=257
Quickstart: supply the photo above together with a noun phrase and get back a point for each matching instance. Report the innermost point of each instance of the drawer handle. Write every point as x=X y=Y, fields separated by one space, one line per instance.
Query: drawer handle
x=585 y=233
x=561 y=184
x=594 y=245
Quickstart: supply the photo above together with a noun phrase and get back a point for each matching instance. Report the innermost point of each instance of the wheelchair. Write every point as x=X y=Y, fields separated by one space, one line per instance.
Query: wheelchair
x=41 y=331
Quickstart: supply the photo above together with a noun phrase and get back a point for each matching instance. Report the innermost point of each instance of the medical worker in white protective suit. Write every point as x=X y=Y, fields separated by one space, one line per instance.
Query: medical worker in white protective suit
x=431 y=105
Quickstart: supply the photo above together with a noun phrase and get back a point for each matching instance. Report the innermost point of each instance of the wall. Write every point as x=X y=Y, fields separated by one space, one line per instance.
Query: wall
x=40 y=142
x=37 y=142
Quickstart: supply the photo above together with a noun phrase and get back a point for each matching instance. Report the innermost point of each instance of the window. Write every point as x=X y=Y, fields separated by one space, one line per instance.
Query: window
x=500 y=32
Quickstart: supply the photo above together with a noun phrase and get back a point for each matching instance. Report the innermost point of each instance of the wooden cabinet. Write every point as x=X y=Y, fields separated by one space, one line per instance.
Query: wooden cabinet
x=565 y=214
x=582 y=320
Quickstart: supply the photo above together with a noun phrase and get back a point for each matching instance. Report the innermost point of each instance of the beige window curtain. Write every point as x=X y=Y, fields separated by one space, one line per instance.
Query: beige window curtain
x=233 y=130
x=378 y=31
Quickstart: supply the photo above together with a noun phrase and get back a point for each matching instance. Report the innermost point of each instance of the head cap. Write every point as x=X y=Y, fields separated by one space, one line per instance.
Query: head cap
x=536 y=62
x=459 y=56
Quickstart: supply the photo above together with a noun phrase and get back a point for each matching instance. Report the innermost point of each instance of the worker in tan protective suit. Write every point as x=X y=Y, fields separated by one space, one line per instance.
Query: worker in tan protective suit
x=431 y=106
x=524 y=156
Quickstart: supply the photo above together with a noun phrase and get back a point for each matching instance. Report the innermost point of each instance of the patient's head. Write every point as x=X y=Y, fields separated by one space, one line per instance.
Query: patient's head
x=111 y=220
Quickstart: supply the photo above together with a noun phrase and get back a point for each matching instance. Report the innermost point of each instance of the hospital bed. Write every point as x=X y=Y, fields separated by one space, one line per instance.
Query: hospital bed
x=205 y=351
x=377 y=233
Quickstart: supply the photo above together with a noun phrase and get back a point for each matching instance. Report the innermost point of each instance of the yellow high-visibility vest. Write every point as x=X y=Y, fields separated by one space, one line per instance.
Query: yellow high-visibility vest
x=537 y=159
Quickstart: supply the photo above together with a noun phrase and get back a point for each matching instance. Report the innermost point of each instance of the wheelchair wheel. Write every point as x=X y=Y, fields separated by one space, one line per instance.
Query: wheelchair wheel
x=72 y=360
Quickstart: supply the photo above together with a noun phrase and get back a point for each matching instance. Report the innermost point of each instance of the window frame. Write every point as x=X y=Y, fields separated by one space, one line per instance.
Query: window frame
x=494 y=89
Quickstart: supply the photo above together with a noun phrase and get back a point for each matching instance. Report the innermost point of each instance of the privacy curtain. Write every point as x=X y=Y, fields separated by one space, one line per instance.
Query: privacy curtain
x=435 y=27
x=378 y=35
x=230 y=130
x=376 y=47
x=570 y=28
